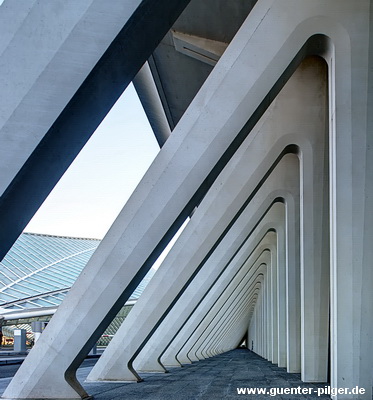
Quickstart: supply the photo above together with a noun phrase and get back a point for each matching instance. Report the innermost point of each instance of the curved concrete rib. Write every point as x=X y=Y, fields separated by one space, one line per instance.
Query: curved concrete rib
x=237 y=327
x=148 y=359
x=214 y=311
x=137 y=325
x=207 y=225
x=235 y=263
x=213 y=325
x=167 y=192
x=274 y=219
x=251 y=251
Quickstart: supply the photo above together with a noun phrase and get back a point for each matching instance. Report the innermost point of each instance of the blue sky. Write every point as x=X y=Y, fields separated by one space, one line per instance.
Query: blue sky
x=94 y=189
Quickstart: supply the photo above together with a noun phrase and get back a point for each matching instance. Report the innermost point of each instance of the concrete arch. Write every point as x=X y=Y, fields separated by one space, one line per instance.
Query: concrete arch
x=293 y=327
x=214 y=299
x=350 y=187
x=259 y=235
x=152 y=352
x=116 y=362
x=224 y=316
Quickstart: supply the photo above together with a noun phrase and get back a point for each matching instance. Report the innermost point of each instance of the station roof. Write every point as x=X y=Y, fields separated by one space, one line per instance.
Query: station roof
x=39 y=270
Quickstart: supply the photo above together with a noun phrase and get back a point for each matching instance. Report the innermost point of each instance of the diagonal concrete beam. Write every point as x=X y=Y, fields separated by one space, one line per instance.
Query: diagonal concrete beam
x=174 y=187
x=205 y=233
x=79 y=58
x=148 y=359
x=212 y=330
x=210 y=220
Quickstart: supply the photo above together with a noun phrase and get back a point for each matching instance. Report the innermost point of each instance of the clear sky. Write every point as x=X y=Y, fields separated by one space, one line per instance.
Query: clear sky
x=94 y=189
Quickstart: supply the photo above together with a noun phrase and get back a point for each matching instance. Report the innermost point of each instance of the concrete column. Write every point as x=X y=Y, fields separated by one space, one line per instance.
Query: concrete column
x=351 y=203
x=222 y=318
x=314 y=221
x=37 y=328
x=260 y=307
x=266 y=315
x=274 y=303
x=282 y=254
x=293 y=309
x=213 y=318
x=256 y=344
x=253 y=247
x=268 y=284
x=19 y=341
x=255 y=333
x=190 y=250
x=172 y=324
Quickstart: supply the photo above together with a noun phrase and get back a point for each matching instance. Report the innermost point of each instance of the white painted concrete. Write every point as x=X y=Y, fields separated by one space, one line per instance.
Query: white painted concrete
x=267 y=43
x=191 y=298
x=48 y=37
x=204 y=228
x=273 y=219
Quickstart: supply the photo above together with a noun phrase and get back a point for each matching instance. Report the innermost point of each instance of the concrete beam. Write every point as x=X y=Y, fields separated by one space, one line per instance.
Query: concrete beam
x=284 y=26
x=274 y=219
x=207 y=226
x=306 y=76
x=50 y=109
x=149 y=357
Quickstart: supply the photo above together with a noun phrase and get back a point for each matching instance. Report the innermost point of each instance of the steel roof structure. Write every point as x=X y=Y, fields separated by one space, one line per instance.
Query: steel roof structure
x=39 y=270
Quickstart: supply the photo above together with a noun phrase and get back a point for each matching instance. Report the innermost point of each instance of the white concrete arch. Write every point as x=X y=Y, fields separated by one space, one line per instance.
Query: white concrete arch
x=232 y=308
x=213 y=318
x=351 y=167
x=293 y=322
x=148 y=359
x=229 y=338
x=215 y=300
x=274 y=218
x=223 y=345
x=116 y=362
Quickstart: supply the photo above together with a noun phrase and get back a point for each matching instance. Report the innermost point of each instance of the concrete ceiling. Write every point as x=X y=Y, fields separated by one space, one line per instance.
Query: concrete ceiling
x=179 y=71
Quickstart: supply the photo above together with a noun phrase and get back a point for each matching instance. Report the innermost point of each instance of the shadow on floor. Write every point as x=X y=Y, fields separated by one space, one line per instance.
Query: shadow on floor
x=215 y=378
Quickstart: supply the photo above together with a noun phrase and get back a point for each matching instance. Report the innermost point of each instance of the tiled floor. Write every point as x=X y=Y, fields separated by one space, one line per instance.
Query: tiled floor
x=212 y=379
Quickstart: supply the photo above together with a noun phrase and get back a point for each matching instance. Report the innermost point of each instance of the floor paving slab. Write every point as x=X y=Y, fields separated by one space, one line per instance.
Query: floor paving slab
x=216 y=378
x=212 y=379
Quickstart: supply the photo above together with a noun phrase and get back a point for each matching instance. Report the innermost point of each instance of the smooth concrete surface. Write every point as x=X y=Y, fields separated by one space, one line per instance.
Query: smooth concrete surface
x=178 y=316
x=54 y=95
x=272 y=42
x=194 y=241
x=226 y=316
x=158 y=344
x=251 y=250
x=214 y=301
x=147 y=309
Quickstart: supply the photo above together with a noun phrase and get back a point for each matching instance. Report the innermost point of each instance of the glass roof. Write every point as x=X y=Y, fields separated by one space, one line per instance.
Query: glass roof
x=39 y=270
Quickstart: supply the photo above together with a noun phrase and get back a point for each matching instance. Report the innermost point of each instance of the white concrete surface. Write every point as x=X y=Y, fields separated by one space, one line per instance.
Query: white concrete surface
x=273 y=39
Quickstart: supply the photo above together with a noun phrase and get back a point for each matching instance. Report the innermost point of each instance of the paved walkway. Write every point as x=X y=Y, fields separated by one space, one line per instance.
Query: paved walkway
x=212 y=379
